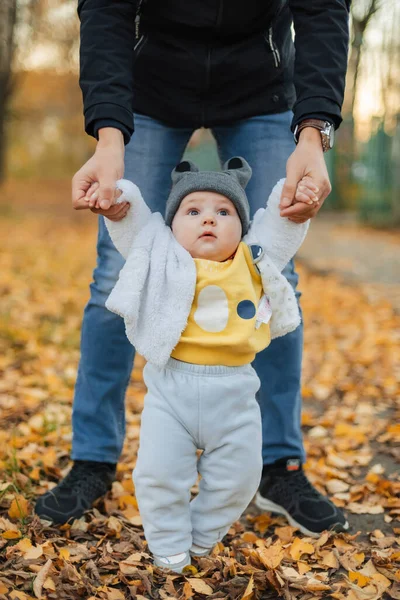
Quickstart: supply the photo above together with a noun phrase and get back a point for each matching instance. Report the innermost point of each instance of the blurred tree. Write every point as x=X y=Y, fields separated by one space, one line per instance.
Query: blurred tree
x=8 y=15
x=362 y=12
x=34 y=34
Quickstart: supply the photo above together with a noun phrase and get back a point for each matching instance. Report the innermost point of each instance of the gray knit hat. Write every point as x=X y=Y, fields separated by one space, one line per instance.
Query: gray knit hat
x=231 y=182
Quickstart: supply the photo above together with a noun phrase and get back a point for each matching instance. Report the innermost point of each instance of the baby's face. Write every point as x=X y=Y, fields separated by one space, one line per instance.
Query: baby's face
x=207 y=226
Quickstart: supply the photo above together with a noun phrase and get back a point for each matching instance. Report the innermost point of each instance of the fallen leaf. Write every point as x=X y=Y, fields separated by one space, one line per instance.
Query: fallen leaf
x=34 y=552
x=200 y=586
x=271 y=557
x=114 y=524
x=11 y=535
x=300 y=547
x=328 y=559
x=40 y=579
x=19 y=508
x=249 y=591
x=359 y=578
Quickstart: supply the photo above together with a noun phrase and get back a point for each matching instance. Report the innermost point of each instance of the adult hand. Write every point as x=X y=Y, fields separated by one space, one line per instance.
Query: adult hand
x=307 y=160
x=105 y=167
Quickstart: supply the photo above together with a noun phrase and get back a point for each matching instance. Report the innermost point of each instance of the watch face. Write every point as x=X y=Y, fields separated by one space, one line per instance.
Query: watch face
x=331 y=136
x=328 y=136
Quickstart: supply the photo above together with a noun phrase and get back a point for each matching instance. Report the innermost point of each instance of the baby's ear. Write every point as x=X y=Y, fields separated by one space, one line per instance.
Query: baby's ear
x=186 y=166
x=238 y=167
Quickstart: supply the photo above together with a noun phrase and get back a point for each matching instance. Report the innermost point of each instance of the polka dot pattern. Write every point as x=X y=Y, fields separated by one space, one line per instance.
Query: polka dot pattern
x=246 y=309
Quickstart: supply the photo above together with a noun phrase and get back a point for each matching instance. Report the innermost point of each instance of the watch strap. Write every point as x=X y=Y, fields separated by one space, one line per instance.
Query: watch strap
x=316 y=124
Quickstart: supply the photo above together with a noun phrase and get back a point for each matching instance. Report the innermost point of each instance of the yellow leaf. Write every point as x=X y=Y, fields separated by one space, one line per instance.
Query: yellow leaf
x=127 y=500
x=136 y=520
x=128 y=486
x=24 y=545
x=285 y=534
x=271 y=557
x=64 y=553
x=190 y=569
x=249 y=536
x=3 y=588
x=19 y=508
x=11 y=535
x=303 y=567
x=35 y=474
x=249 y=591
x=329 y=559
x=187 y=590
x=200 y=586
x=359 y=578
x=49 y=584
x=342 y=545
x=34 y=552
x=316 y=586
x=15 y=594
x=299 y=547
x=359 y=557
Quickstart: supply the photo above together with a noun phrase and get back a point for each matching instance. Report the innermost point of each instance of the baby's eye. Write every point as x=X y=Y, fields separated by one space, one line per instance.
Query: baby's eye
x=223 y=212
x=193 y=211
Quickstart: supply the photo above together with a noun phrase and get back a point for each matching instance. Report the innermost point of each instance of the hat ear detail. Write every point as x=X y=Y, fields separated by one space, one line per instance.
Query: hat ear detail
x=186 y=166
x=239 y=168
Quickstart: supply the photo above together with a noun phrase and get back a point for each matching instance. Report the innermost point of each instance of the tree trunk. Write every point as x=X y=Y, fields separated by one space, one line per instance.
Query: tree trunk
x=8 y=12
x=359 y=28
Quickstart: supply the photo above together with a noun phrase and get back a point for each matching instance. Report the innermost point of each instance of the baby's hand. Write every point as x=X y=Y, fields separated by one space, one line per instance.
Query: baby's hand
x=92 y=195
x=307 y=191
x=116 y=212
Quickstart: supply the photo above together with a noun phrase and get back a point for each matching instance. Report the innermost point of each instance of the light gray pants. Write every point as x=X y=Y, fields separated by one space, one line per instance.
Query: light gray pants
x=187 y=407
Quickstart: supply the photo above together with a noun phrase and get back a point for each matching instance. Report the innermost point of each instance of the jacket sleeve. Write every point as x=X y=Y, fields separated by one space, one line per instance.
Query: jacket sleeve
x=278 y=237
x=123 y=232
x=321 y=42
x=106 y=58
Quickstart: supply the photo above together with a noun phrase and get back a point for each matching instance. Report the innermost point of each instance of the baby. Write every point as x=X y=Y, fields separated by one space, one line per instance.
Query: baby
x=201 y=293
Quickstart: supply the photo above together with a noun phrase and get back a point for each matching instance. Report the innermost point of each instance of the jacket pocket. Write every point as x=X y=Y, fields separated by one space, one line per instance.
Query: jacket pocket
x=269 y=38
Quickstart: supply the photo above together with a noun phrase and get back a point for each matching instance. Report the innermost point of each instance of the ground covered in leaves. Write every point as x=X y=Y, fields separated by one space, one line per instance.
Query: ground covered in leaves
x=351 y=388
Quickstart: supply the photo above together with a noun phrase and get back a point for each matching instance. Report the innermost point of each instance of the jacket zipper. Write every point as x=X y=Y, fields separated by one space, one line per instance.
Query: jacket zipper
x=274 y=49
x=139 y=45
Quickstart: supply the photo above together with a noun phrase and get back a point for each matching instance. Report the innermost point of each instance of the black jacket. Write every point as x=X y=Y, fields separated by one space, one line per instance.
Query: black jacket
x=197 y=63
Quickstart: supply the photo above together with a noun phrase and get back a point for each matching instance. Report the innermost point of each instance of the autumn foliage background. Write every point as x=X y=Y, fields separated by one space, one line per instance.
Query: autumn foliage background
x=351 y=389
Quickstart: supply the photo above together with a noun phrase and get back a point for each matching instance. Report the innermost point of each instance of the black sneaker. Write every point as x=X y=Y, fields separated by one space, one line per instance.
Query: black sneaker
x=85 y=483
x=284 y=489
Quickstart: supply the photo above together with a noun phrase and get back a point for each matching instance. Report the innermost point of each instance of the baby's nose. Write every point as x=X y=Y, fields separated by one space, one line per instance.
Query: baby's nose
x=209 y=219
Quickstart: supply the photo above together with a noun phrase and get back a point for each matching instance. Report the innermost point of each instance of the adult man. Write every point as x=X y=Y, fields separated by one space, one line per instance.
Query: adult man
x=232 y=67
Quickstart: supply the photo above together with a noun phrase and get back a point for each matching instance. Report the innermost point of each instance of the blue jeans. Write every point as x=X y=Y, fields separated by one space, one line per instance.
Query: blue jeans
x=98 y=417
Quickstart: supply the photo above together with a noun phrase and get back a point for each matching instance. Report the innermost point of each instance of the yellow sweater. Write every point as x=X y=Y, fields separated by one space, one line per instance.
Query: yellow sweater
x=221 y=328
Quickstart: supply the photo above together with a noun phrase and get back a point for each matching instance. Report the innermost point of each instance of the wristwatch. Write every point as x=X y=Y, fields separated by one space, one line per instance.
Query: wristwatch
x=325 y=128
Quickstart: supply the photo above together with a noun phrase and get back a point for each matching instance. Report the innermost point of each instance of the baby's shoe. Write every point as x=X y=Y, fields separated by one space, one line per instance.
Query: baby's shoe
x=175 y=563
x=199 y=551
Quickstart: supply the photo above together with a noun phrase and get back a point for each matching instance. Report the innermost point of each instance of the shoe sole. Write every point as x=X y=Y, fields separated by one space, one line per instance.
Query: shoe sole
x=269 y=506
x=176 y=568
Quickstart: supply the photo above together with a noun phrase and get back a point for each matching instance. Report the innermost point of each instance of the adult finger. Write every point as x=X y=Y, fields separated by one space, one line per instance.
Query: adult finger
x=298 y=209
x=106 y=194
x=293 y=176
x=81 y=183
x=115 y=210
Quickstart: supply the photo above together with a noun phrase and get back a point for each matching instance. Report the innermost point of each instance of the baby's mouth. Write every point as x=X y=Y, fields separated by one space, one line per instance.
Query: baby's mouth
x=208 y=234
